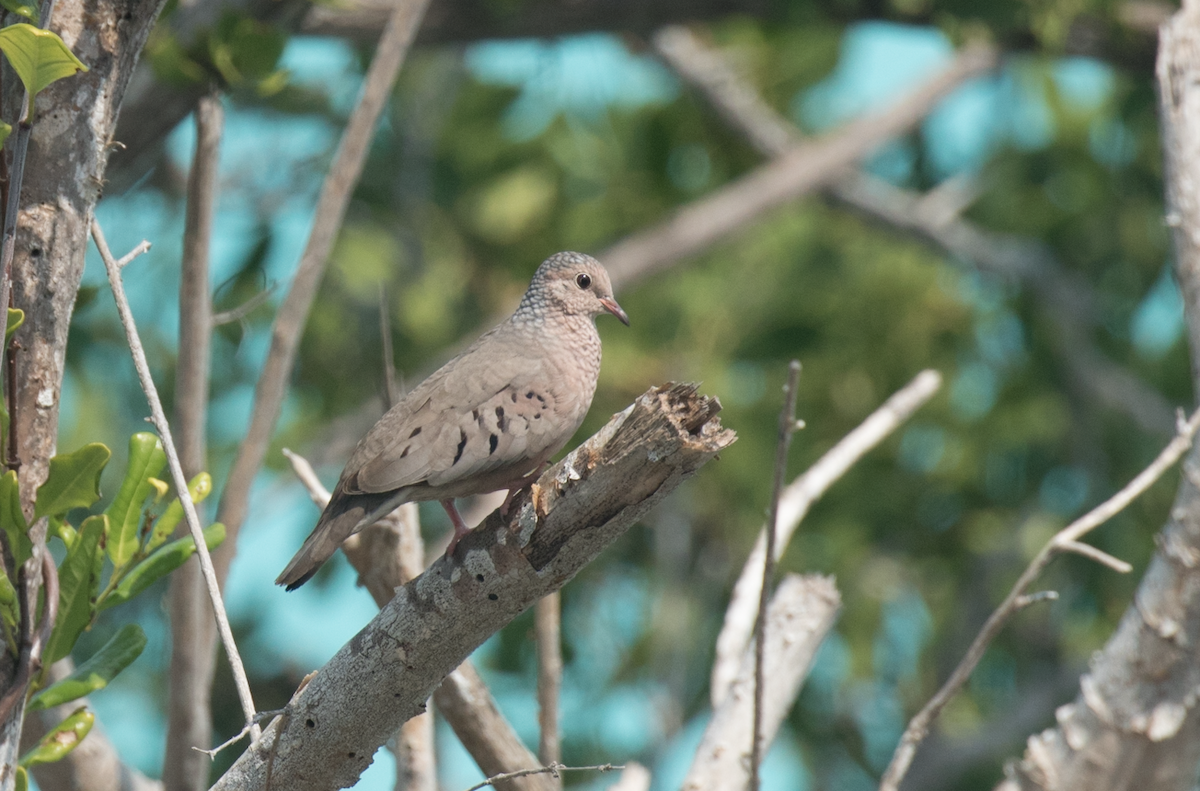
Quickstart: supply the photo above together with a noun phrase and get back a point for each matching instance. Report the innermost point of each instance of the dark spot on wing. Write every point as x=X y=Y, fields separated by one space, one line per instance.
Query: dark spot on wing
x=415 y=432
x=500 y=418
x=492 y=443
x=462 y=443
x=514 y=396
x=530 y=394
x=407 y=448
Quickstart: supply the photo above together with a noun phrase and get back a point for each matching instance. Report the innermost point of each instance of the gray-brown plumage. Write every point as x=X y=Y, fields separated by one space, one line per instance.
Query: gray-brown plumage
x=485 y=421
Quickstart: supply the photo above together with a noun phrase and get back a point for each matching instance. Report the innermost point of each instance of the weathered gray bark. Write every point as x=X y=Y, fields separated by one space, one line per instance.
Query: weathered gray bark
x=64 y=174
x=1134 y=724
x=801 y=613
x=387 y=671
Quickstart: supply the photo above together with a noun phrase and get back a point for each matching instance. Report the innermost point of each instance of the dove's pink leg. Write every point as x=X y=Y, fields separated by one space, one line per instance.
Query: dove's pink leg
x=521 y=484
x=460 y=528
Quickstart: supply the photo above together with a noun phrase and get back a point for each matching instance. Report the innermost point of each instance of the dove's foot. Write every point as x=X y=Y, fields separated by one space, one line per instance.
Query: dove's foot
x=460 y=527
x=519 y=485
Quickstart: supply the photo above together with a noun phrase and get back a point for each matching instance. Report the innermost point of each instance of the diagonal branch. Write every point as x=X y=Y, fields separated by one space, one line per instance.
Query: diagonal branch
x=574 y=511
x=293 y=313
x=1067 y=299
x=795 y=173
x=181 y=488
x=797 y=498
x=1066 y=540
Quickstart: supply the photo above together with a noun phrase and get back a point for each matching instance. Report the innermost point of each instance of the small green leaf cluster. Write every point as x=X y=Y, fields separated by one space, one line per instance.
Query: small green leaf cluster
x=39 y=57
x=131 y=534
x=238 y=53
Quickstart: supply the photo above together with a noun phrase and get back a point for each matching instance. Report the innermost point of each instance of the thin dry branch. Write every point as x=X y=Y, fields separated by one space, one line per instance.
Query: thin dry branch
x=551 y=769
x=794 y=504
x=787 y=426
x=331 y=208
x=575 y=510
x=547 y=626
x=934 y=217
x=189 y=719
x=801 y=613
x=181 y=489
x=1066 y=540
x=797 y=172
x=384 y=563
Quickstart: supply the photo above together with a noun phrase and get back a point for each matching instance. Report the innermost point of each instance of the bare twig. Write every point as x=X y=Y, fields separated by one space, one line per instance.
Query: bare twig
x=801 y=613
x=293 y=313
x=787 y=425
x=547 y=625
x=634 y=777
x=189 y=507
x=189 y=719
x=795 y=173
x=138 y=249
x=799 y=496
x=1066 y=540
x=552 y=769
x=243 y=310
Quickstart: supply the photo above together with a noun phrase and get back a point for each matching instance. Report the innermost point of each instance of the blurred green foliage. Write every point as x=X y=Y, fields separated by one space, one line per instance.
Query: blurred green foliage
x=927 y=533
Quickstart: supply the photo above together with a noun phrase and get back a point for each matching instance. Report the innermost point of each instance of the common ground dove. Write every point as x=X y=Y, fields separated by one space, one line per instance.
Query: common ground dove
x=487 y=420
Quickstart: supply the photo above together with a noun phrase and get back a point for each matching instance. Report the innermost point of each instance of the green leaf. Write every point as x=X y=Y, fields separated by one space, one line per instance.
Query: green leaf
x=12 y=518
x=20 y=9
x=22 y=780
x=38 y=56
x=94 y=674
x=77 y=580
x=64 y=738
x=170 y=557
x=16 y=316
x=74 y=480
x=146 y=460
x=9 y=609
x=199 y=488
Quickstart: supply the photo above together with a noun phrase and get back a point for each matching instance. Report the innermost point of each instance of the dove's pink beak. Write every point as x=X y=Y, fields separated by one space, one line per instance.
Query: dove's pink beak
x=612 y=307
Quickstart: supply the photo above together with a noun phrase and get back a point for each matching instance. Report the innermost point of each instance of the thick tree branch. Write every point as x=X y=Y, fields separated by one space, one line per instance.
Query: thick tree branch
x=385 y=557
x=576 y=509
x=68 y=152
x=801 y=613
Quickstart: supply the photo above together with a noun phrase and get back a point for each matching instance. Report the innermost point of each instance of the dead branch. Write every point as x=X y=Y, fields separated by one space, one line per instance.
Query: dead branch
x=1066 y=540
x=547 y=625
x=794 y=504
x=796 y=173
x=787 y=426
x=800 y=614
x=576 y=509
x=384 y=563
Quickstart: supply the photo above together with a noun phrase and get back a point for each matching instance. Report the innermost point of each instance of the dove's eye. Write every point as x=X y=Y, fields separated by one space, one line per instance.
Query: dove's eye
x=583 y=280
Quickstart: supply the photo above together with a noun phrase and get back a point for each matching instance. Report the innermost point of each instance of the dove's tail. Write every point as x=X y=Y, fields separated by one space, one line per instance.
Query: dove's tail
x=344 y=516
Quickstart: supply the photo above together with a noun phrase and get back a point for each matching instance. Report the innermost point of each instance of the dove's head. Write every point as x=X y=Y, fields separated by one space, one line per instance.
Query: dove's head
x=576 y=284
